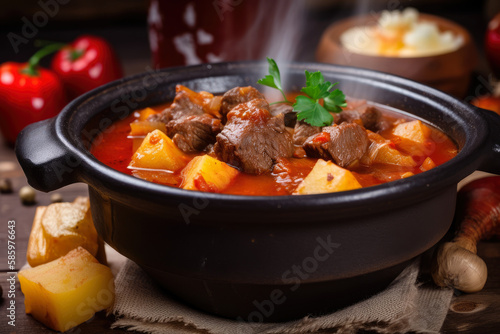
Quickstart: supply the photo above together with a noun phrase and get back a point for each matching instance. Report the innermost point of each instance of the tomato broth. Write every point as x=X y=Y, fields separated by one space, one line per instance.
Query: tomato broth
x=116 y=148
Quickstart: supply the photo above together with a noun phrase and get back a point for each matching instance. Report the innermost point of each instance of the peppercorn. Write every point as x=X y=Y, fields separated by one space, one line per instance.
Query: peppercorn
x=27 y=195
x=5 y=186
x=56 y=198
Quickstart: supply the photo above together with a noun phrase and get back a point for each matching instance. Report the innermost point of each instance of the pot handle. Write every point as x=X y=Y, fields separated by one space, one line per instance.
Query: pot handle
x=46 y=161
x=491 y=162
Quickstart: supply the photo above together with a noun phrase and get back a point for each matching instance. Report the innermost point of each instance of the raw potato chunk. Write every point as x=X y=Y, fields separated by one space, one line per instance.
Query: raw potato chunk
x=327 y=177
x=380 y=151
x=157 y=151
x=414 y=130
x=68 y=291
x=60 y=228
x=207 y=174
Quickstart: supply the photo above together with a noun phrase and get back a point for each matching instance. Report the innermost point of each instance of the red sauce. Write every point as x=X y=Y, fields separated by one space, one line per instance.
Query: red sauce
x=115 y=149
x=322 y=138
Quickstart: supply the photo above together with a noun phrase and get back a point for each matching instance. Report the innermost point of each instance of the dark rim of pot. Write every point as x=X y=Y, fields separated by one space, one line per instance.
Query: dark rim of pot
x=72 y=119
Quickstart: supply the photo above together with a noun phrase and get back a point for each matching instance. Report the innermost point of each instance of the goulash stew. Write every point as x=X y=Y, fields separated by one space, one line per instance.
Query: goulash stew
x=239 y=143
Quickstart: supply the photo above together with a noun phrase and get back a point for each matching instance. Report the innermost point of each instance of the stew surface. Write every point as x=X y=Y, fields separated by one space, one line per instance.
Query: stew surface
x=239 y=144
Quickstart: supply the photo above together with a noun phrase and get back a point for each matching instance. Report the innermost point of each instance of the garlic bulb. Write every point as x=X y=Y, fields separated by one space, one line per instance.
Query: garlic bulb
x=459 y=268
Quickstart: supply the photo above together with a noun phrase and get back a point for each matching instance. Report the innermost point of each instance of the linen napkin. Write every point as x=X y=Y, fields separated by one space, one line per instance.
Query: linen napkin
x=405 y=306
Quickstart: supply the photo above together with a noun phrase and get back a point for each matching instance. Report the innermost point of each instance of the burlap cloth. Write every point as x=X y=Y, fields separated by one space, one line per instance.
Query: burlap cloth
x=405 y=306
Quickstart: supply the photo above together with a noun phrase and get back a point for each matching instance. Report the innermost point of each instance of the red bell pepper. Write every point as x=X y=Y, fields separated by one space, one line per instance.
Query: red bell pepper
x=28 y=94
x=85 y=64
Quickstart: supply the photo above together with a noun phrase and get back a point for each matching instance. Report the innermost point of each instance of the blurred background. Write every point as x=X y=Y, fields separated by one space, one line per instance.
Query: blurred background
x=124 y=23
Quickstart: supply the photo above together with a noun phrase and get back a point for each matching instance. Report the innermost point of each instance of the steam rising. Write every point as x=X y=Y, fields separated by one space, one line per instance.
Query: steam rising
x=282 y=41
x=284 y=22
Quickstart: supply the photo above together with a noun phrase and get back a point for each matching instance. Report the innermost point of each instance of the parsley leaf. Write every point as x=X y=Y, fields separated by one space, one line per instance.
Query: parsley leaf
x=335 y=100
x=273 y=79
x=312 y=112
x=316 y=87
x=308 y=107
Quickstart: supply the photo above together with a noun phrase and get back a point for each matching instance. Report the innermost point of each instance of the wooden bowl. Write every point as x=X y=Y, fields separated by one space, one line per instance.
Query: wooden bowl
x=449 y=72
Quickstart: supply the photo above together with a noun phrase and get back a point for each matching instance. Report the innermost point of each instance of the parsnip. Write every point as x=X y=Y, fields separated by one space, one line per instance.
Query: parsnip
x=456 y=263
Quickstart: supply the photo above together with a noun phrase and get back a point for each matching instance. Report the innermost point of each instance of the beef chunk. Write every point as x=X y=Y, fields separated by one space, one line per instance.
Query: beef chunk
x=165 y=116
x=252 y=139
x=194 y=133
x=287 y=111
x=190 y=128
x=182 y=106
x=364 y=114
x=235 y=96
x=303 y=131
x=344 y=144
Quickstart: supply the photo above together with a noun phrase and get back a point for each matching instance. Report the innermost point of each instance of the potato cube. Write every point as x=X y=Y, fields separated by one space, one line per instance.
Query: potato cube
x=327 y=177
x=145 y=113
x=407 y=174
x=136 y=143
x=207 y=174
x=142 y=128
x=68 y=291
x=428 y=164
x=158 y=151
x=60 y=228
x=380 y=151
x=414 y=130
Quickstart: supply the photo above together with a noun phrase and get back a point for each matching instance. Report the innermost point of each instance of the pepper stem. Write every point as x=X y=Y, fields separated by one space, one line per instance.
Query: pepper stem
x=31 y=68
x=75 y=54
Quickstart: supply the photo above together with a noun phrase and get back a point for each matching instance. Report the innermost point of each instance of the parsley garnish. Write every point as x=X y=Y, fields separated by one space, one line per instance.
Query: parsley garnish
x=308 y=107
x=273 y=79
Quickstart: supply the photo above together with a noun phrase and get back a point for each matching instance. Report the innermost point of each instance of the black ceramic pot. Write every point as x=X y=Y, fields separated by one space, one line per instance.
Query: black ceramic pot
x=262 y=258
